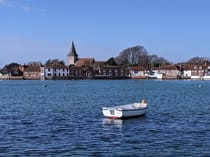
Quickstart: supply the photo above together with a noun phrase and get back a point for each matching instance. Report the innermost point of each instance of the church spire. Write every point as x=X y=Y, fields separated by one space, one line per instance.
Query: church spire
x=72 y=51
x=72 y=56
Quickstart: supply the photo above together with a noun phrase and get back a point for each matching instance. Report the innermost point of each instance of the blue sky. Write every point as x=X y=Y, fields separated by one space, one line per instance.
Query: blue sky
x=38 y=30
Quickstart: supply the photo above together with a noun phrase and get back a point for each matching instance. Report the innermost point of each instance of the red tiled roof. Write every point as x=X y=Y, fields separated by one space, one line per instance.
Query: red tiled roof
x=168 y=67
x=56 y=66
x=155 y=68
x=99 y=62
x=32 y=69
x=84 y=61
x=137 y=68
x=187 y=67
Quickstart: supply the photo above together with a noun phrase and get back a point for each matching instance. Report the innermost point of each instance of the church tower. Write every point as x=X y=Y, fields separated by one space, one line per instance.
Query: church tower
x=72 y=55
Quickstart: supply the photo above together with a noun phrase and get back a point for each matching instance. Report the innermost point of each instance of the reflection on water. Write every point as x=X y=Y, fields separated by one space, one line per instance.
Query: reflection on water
x=113 y=122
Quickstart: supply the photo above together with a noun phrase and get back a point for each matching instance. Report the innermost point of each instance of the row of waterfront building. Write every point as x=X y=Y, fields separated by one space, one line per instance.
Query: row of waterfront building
x=88 y=68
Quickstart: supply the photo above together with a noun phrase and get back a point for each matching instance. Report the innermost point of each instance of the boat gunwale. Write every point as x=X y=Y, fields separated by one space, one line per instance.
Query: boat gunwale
x=120 y=108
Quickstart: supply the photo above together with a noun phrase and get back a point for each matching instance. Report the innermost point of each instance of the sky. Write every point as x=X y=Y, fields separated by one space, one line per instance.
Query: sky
x=38 y=30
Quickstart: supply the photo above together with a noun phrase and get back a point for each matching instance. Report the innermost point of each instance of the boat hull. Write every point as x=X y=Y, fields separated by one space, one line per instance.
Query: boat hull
x=125 y=111
x=207 y=77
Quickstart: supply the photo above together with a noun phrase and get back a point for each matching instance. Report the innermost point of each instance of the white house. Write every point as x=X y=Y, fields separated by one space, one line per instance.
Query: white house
x=4 y=76
x=56 y=71
x=207 y=74
x=197 y=72
x=42 y=73
x=137 y=72
x=187 y=71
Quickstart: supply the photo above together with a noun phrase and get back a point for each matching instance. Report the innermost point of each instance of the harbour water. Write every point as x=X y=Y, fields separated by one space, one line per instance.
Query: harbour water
x=63 y=118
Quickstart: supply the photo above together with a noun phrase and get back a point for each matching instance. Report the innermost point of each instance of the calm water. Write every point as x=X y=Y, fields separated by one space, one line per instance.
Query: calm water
x=64 y=118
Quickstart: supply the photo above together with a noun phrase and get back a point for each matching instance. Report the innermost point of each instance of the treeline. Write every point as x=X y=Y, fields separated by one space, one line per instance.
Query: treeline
x=133 y=56
x=15 y=69
x=198 y=61
x=138 y=55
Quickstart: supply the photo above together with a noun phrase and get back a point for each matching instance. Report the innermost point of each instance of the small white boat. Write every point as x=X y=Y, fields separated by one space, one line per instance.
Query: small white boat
x=155 y=75
x=125 y=111
x=206 y=77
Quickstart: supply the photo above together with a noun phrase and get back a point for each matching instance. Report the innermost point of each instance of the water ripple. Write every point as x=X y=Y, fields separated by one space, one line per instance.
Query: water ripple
x=65 y=119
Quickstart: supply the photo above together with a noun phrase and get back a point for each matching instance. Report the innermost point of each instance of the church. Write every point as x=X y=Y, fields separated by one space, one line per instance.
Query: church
x=79 y=68
x=83 y=68
x=88 y=68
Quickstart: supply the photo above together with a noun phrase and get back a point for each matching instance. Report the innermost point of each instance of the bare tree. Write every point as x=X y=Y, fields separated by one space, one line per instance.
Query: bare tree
x=138 y=55
x=198 y=60
x=155 y=61
x=132 y=56
x=34 y=63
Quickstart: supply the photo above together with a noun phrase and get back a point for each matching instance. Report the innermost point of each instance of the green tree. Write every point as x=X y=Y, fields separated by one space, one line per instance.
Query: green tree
x=54 y=62
x=13 y=69
x=111 y=62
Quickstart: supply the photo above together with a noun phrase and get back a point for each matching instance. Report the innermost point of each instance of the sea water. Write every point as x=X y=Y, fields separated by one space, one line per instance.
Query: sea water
x=64 y=118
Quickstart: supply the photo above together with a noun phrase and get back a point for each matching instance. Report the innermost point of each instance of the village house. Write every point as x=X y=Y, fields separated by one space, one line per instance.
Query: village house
x=42 y=73
x=169 y=71
x=112 y=72
x=82 y=69
x=105 y=70
x=197 y=72
x=88 y=68
x=138 y=72
x=84 y=72
x=79 y=68
x=32 y=72
x=4 y=76
x=58 y=71
x=207 y=73
x=200 y=72
x=190 y=71
x=12 y=71
x=97 y=67
x=186 y=71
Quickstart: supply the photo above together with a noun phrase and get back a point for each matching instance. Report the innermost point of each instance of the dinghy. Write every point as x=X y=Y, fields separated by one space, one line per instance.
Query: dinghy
x=126 y=111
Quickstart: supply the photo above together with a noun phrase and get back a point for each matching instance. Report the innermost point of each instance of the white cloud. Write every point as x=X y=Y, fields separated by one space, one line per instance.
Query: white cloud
x=4 y=3
x=9 y=4
x=27 y=8
x=16 y=5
